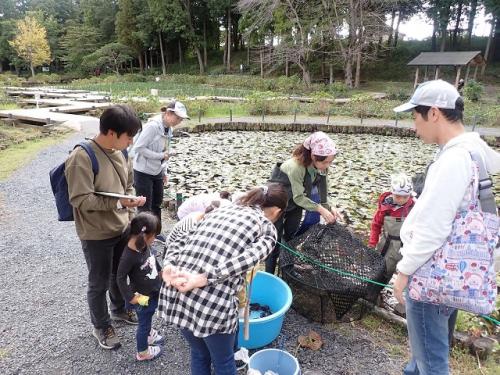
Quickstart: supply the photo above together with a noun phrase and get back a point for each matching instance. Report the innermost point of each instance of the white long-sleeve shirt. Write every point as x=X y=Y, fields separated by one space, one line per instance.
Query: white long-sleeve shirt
x=429 y=222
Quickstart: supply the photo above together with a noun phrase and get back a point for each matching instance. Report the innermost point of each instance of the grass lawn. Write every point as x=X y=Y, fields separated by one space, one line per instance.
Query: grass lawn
x=18 y=146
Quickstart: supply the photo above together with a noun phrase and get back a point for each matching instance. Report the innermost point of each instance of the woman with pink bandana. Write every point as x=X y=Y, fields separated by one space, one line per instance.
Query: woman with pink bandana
x=304 y=173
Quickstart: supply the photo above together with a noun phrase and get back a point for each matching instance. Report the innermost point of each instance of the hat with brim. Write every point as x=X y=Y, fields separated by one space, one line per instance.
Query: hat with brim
x=436 y=93
x=179 y=109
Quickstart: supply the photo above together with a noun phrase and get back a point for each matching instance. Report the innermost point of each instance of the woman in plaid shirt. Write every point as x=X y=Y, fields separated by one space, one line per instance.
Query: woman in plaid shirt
x=204 y=270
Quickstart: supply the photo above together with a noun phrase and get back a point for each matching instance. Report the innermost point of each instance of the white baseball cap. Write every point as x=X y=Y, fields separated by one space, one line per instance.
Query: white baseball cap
x=179 y=109
x=437 y=93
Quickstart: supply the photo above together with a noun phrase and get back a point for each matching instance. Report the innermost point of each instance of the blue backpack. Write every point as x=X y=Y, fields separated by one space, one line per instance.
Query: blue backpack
x=60 y=185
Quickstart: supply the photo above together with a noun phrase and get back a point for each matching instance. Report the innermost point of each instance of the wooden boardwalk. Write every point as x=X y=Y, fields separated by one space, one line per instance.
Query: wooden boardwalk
x=60 y=106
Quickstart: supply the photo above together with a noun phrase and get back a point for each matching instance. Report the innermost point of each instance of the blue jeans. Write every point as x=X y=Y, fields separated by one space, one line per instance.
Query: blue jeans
x=145 y=317
x=429 y=328
x=217 y=349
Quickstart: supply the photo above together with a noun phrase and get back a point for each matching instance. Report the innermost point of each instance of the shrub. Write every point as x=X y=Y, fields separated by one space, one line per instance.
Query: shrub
x=9 y=79
x=338 y=89
x=43 y=78
x=473 y=91
x=397 y=93
x=144 y=108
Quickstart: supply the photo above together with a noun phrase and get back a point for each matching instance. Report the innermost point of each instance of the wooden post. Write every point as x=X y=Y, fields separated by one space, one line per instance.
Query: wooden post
x=467 y=74
x=436 y=75
x=416 y=78
x=475 y=72
x=457 y=78
x=426 y=77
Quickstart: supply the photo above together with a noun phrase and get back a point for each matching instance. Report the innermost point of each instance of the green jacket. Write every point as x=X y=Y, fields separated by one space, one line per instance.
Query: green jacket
x=298 y=182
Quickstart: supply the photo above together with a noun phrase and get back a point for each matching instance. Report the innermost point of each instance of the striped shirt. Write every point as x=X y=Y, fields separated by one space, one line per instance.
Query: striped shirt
x=225 y=245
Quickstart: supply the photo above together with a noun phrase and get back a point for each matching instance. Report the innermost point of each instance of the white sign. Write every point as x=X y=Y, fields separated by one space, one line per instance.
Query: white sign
x=45 y=69
x=154 y=92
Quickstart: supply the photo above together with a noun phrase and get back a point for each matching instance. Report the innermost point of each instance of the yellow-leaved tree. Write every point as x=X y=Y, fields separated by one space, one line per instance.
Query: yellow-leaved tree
x=31 y=43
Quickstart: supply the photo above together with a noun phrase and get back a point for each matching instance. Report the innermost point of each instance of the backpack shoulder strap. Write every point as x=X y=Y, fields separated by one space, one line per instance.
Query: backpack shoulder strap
x=486 y=197
x=93 y=159
x=125 y=154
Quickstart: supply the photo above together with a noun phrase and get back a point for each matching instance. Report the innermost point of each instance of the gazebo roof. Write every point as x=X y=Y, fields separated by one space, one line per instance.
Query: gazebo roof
x=448 y=58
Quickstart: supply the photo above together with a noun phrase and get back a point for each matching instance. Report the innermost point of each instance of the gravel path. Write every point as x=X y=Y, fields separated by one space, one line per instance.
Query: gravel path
x=45 y=326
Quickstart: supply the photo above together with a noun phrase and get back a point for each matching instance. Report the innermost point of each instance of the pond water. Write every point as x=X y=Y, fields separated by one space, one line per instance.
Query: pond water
x=237 y=161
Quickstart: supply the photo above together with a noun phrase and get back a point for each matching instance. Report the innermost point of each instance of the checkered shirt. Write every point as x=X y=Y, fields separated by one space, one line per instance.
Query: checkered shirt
x=225 y=245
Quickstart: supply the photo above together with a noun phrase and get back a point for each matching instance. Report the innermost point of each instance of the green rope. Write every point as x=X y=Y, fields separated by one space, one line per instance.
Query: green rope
x=322 y=265
x=343 y=273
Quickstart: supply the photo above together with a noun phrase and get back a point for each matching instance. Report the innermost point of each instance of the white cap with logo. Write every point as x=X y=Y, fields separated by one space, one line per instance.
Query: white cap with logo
x=179 y=109
x=437 y=93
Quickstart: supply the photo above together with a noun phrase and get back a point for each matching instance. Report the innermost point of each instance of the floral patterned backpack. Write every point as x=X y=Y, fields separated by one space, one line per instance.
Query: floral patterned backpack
x=461 y=272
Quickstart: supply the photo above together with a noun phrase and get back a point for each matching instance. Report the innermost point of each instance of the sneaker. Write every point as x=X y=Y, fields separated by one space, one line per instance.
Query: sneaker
x=127 y=316
x=155 y=338
x=106 y=338
x=152 y=353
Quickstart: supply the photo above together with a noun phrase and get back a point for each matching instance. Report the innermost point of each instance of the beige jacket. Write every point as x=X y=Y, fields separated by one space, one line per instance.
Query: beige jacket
x=97 y=217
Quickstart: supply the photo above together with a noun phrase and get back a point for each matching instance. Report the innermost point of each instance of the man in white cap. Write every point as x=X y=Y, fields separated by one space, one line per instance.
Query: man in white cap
x=438 y=116
x=151 y=153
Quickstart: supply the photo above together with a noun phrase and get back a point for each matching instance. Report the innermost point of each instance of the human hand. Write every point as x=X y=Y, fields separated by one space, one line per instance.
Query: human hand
x=336 y=214
x=326 y=214
x=187 y=281
x=165 y=179
x=166 y=155
x=399 y=286
x=169 y=273
x=135 y=202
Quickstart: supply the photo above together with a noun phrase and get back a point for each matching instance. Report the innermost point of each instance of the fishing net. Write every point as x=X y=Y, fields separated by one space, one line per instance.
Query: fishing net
x=318 y=290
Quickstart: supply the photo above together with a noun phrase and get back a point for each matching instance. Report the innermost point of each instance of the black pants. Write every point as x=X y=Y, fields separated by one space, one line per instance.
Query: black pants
x=286 y=226
x=102 y=258
x=150 y=187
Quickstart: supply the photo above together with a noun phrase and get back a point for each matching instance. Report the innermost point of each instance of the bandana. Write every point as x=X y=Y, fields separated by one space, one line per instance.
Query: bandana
x=320 y=144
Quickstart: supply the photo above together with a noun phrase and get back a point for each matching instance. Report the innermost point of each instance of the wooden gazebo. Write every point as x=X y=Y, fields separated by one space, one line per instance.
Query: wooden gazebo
x=456 y=59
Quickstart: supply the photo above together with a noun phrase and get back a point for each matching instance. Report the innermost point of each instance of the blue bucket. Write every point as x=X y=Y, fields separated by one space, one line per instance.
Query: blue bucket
x=279 y=361
x=267 y=290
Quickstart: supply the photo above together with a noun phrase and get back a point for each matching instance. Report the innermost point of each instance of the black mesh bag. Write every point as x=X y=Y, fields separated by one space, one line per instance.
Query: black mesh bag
x=310 y=272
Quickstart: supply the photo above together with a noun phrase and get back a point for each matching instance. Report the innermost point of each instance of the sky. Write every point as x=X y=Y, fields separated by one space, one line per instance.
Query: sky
x=424 y=26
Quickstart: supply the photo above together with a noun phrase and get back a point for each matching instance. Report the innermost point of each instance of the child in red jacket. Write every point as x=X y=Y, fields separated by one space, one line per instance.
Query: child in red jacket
x=393 y=208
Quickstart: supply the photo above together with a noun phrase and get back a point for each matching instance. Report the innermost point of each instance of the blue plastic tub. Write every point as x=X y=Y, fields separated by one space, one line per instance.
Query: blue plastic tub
x=279 y=361
x=267 y=290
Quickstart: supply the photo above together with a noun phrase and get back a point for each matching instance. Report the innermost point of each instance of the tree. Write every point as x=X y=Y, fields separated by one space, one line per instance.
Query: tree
x=472 y=17
x=300 y=17
x=31 y=43
x=493 y=8
x=79 y=41
x=440 y=11
x=168 y=17
x=112 y=54
x=191 y=32
x=128 y=28
x=101 y=16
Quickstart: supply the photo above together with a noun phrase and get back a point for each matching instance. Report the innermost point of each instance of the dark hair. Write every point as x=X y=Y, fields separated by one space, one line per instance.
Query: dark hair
x=304 y=156
x=212 y=206
x=121 y=119
x=276 y=196
x=144 y=224
x=452 y=115
x=224 y=194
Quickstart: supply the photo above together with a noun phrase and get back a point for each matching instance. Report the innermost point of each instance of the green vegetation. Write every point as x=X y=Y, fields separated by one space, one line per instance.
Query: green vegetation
x=20 y=145
x=394 y=339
